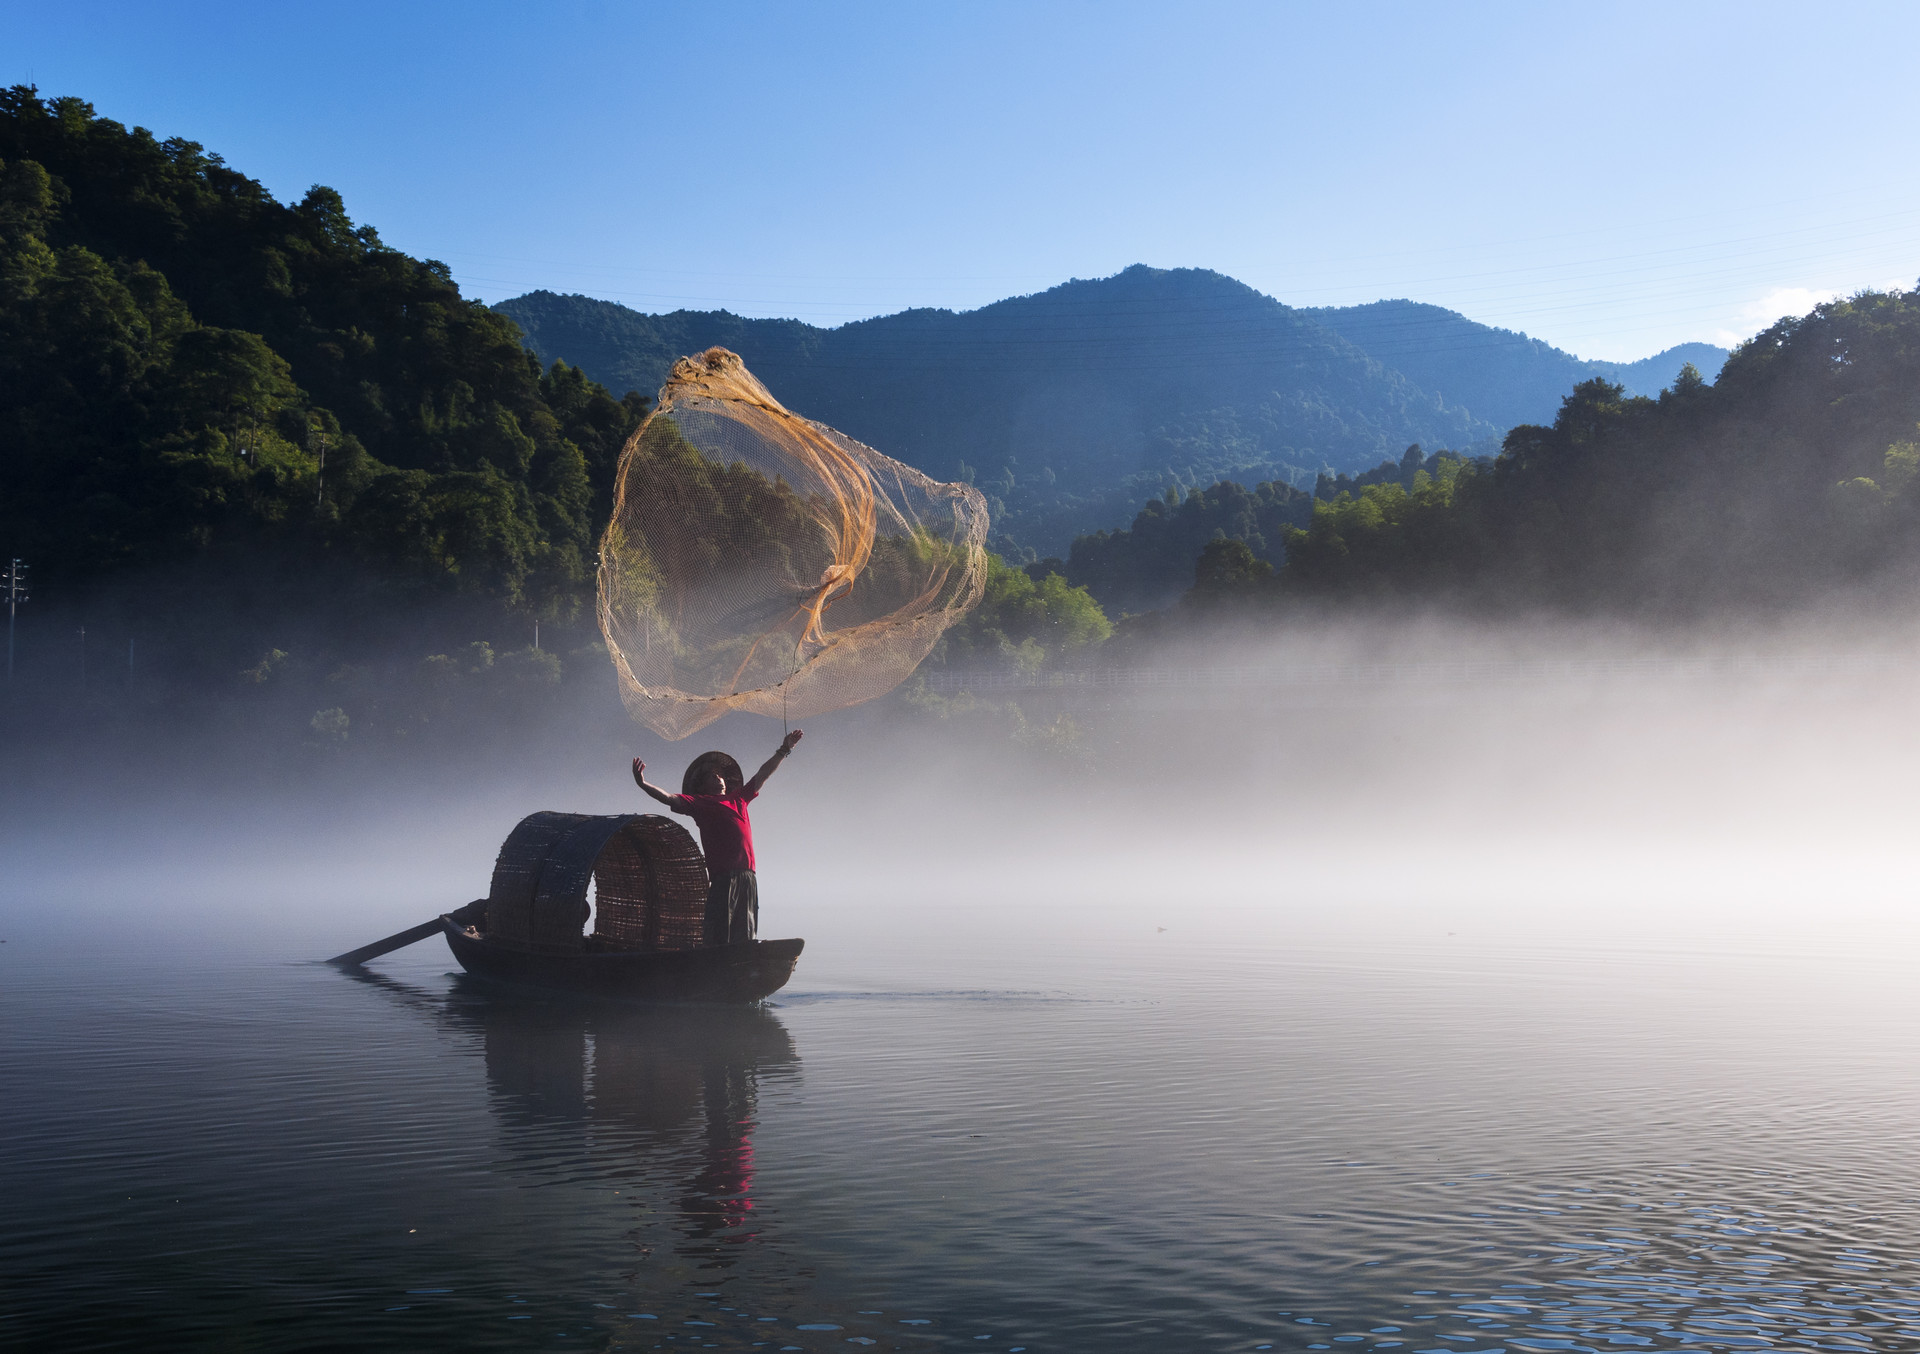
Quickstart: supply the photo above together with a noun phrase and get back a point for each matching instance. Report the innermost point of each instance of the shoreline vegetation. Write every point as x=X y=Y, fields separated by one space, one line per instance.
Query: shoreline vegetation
x=276 y=477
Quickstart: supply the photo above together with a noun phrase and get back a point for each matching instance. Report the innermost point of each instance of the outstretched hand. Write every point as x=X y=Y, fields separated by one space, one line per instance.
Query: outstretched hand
x=786 y=744
x=651 y=791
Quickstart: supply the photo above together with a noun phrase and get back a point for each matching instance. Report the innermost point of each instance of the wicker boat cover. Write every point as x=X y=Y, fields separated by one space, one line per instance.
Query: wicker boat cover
x=648 y=875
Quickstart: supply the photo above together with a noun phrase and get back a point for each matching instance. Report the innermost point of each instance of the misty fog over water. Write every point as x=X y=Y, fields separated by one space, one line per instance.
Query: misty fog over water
x=1561 y=1007
x=1721 y=783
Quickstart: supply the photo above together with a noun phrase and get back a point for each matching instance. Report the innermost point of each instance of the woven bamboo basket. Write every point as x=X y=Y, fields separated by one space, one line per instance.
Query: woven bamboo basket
x=648 y=877
x=650 y=888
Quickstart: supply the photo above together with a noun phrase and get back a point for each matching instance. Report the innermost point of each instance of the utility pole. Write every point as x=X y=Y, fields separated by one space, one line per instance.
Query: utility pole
x=536 y=633
x=14 y=583
x=318 y=438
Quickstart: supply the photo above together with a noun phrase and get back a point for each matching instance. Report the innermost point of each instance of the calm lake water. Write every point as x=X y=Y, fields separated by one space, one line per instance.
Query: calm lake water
x=1146 y=1143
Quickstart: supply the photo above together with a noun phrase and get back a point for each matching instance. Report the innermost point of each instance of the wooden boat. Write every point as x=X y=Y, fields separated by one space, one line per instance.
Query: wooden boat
x=722 y=973
x=649 y=911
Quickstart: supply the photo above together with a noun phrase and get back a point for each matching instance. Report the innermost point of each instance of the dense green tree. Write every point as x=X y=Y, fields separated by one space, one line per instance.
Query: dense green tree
x=188 y=365
x=1030 y=623
x=1151 y=563
x=1359 y=538
x=1229 y=573
x=1402 y=472
x=1782 y=478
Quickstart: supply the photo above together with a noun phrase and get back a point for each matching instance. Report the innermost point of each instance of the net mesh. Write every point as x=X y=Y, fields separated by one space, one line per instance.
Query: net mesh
x=759 y=561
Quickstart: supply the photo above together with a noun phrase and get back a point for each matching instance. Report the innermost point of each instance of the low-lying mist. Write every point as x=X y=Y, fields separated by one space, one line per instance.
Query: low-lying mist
x=1353 y=784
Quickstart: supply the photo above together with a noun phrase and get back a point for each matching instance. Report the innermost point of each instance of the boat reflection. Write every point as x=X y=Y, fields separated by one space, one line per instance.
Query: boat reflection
x=661 y=1098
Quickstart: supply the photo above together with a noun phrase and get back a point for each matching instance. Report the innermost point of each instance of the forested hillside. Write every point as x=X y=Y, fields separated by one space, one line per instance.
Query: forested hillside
x=1502 y=376
x=1067 y=407
x=1072 y=406
x=194 y=374
x=1798 y=471
x=272 y=454
x=275 y=478
x=1150 y=564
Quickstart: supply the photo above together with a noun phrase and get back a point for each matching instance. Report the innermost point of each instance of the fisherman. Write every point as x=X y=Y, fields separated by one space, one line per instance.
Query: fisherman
x=714 y=798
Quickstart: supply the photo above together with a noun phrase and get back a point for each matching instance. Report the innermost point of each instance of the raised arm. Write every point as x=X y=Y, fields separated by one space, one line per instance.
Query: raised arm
x=640 y=779
x=773 y=763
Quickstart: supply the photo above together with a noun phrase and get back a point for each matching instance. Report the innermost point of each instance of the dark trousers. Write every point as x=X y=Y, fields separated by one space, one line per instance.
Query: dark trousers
x=733 y=908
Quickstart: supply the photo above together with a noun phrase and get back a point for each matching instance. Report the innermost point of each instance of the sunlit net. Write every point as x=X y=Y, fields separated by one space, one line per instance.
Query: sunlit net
x=759 y=561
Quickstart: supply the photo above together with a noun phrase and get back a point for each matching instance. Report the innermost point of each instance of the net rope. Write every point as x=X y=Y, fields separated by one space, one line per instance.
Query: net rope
x=757 y=560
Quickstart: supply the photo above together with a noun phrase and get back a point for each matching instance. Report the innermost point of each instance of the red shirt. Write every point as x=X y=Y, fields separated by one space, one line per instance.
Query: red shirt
x=725 y=834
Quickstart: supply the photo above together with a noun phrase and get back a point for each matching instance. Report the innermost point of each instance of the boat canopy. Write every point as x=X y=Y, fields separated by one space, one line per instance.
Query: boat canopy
x=648 y=877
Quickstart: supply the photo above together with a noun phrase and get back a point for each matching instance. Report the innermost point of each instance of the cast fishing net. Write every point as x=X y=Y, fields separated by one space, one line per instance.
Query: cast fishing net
x=759 y=561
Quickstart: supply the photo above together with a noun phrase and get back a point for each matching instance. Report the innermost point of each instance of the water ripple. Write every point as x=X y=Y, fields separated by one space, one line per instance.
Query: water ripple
x=234 y=1151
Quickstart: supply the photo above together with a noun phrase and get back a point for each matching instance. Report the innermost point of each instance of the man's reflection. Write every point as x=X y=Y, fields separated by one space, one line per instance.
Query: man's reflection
x=665 y=1094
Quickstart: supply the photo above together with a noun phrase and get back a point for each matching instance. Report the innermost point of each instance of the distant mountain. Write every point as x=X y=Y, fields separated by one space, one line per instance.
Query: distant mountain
x=1651 y=375
x=635 y=350
x=1069 y=407
x=1502 y=376
x=1072 y=406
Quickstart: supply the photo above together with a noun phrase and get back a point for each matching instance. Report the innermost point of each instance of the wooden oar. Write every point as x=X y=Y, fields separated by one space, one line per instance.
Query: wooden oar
x=353 y=958
x=400 y=940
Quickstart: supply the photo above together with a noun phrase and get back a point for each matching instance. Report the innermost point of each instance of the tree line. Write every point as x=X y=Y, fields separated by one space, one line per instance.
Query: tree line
x=1791 y=476
x=207 y=394
x=191 y=370
x=1788 y=477
x=294 y=469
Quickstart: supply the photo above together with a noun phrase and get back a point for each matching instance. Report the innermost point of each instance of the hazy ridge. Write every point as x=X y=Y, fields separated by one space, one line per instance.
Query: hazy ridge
x=1503 y=376
x=1073 y=405
x=1070 y=406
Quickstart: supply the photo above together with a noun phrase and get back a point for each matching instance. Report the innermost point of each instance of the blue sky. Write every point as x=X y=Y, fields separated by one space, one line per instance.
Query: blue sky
x=1614 y=178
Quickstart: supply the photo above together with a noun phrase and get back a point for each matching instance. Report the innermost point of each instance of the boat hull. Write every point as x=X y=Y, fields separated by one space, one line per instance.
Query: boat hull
x=731 y=974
